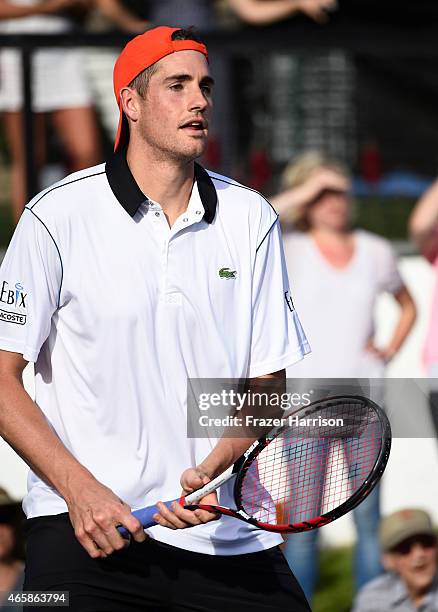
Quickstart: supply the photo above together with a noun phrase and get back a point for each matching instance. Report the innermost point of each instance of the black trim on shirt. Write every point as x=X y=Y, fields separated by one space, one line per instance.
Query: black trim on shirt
x=207 y=192
x=130 y=196
x=267 y=234
x=57 y=249
x=123 y=184
x=81 y=178
x=217 y=178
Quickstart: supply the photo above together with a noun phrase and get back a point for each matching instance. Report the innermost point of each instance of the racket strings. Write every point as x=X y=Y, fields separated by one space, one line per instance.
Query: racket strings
x=307 y=471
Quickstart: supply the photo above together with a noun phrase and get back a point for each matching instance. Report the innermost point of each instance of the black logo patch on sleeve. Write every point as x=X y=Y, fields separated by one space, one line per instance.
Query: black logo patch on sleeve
x=12 y=317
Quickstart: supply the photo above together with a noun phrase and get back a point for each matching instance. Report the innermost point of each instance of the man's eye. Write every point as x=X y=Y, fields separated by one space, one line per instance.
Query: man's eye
x=177 y=87
x=206 y=89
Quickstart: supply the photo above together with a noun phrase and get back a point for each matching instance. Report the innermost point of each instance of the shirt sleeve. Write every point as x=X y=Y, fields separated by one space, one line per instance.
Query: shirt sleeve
x=278 y=340
x=387 y=270
x=30 y=286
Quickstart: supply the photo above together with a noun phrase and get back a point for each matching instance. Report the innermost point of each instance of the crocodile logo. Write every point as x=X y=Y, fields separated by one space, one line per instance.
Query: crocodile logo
x=227 y=273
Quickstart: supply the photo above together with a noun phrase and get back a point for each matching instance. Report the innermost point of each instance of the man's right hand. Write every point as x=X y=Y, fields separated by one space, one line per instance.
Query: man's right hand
x=95 y=512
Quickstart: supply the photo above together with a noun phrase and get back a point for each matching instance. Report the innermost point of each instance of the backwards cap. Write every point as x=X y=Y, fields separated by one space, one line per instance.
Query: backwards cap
x=140 y=53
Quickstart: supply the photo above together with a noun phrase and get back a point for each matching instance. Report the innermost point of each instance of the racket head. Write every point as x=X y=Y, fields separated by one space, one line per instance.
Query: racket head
x=292 y=481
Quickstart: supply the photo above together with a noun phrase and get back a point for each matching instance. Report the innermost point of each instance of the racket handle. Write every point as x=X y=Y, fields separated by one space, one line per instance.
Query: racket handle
x=145 y=516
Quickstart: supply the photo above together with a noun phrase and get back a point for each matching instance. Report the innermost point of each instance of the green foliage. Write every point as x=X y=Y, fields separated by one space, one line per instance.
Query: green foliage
x=335 y=586
x=385 y=216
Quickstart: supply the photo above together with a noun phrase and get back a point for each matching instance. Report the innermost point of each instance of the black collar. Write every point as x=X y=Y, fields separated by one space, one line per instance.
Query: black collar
x=130 y=195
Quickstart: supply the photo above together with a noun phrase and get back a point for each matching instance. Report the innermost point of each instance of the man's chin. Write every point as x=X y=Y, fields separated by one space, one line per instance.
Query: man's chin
x=191 y=153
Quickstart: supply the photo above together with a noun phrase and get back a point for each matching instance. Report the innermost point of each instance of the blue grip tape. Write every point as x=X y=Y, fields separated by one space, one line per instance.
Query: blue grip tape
x=145 y=515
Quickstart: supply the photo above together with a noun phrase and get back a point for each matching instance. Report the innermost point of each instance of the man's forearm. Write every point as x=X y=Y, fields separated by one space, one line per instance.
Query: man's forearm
x=231 y=446
x=25 y=428
x=94 y=509
x=225 y=453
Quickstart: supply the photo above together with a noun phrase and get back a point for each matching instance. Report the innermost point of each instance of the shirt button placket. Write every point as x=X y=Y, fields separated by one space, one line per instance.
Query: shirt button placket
x=162 y=230
x=165 y=261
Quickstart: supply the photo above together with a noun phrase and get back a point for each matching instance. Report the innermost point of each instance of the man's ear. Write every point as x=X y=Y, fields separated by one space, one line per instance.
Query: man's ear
x=130 y=103
x=388 y=562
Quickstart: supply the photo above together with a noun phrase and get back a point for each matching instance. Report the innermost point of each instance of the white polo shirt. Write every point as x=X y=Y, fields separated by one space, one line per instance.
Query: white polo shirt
x=117 y=310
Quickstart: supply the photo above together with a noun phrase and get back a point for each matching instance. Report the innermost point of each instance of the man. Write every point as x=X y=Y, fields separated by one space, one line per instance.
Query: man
x=113 y=285
x=409 y=546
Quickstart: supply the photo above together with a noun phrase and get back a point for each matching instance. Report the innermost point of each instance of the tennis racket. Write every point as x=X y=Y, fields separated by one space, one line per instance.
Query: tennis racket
x=319 y=464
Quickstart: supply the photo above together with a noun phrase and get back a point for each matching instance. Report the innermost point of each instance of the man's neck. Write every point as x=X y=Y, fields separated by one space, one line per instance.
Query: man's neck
x=166 y=181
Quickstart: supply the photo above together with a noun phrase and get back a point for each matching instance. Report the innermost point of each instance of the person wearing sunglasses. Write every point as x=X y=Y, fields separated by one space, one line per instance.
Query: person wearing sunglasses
x=409 y=555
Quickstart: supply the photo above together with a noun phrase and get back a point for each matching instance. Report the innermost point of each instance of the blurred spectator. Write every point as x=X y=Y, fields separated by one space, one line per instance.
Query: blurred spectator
x=410 y=584
x=424 y=230
x=11 y=549
x=59 y=87
x=336 y=273
x=264 y=12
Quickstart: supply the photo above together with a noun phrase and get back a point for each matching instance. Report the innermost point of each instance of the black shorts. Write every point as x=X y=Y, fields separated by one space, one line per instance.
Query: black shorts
x=155 y=576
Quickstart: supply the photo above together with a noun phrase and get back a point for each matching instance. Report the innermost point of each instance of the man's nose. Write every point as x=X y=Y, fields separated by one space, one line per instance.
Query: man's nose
x=198 y=100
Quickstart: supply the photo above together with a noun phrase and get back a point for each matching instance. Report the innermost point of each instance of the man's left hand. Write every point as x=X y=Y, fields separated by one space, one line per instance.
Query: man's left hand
x=180 y=518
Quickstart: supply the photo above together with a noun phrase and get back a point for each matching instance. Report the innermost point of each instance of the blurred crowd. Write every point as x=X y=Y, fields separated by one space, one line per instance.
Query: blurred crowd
x=334 y=264
x=330 y=261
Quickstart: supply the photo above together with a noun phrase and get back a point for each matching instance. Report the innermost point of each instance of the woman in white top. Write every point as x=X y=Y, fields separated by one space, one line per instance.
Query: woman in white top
x=337 y=272
x=59 y=87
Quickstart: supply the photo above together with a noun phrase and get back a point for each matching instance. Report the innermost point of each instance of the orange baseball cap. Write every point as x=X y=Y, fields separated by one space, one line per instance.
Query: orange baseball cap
x=140 y=53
